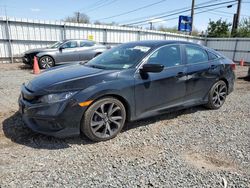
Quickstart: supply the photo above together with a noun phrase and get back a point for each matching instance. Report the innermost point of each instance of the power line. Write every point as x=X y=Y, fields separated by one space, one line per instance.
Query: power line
x=106 y=4
x=97 y=3
x=183 y=11
x=206 y=10
x=137 y=9
x=232 y=13
x=163 y=13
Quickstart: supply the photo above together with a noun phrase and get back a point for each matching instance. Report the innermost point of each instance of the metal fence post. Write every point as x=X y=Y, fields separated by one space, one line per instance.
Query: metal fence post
x=235 y=49
x=138 y=35
x=63 y=32
x=105 y=36
x=9 y=39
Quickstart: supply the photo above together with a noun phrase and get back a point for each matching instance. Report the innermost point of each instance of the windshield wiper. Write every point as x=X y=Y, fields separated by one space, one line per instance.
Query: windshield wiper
x=96 y=66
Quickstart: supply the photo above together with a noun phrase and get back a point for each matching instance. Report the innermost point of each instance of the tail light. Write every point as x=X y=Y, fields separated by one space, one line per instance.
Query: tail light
x=233 y=66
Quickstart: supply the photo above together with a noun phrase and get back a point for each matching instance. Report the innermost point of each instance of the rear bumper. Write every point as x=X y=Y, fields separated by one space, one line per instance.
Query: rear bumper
x=231 y=81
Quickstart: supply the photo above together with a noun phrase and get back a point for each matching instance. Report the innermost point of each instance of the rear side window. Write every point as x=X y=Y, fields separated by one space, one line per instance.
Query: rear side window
x=195 y=54
x=212 y=56
x=169 y=56
x=86 y=44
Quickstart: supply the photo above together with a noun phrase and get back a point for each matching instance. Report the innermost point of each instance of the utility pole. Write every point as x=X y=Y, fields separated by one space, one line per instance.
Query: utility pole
x=151 y=25
x=192 y=16
x=78 y=17
x=236 y=19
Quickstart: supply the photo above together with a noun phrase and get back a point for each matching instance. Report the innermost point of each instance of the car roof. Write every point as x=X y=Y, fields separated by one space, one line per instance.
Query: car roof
x=78 y=40
x=157 y=43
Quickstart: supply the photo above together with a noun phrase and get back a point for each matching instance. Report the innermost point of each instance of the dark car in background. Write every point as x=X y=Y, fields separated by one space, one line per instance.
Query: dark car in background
x=129 y=82
x=64 y=52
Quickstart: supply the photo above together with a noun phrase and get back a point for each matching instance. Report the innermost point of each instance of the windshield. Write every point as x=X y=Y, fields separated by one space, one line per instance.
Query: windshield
x=56 y=45
x=121 y=57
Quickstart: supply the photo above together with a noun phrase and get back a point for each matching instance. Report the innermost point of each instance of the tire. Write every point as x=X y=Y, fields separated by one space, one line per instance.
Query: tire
x=217 y=95
x=46 y=62
x=104 y=119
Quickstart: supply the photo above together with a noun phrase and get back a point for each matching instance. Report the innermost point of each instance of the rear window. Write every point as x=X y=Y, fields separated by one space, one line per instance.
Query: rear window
x=212 y=56
x=195 y=54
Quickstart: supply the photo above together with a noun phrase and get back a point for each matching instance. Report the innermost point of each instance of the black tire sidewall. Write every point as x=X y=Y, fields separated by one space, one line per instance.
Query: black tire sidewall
x=210 y=96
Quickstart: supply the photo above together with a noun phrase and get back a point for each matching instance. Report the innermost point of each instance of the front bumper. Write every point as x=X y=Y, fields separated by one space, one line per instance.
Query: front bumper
x=60 y=119
x=28 y=58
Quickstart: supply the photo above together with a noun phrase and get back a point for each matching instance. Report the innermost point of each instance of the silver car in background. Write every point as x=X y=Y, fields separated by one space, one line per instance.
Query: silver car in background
x=64 y=52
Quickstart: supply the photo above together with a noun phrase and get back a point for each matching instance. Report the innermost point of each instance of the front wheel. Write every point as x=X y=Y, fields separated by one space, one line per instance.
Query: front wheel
x=104 y=119
x=46 y=62
x=217 y=95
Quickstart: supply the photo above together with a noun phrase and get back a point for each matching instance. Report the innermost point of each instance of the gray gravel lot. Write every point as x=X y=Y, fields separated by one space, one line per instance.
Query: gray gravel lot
x=189 y=148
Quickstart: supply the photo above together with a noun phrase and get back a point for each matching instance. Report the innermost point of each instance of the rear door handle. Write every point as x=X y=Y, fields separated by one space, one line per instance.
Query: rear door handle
x=213 y=66
x=180 y=74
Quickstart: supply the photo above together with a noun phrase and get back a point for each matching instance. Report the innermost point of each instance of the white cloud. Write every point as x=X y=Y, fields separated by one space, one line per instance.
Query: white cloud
x=35 y=9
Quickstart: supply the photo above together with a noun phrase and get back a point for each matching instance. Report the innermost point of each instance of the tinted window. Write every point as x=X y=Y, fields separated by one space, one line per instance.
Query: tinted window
x=120 y=57
x=86 y=44
x=168 y=56
x=212 y=56
x=195 y=55
x=70 y=44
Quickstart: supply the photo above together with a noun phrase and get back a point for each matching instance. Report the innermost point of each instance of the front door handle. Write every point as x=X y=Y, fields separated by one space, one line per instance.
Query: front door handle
x=180 y=74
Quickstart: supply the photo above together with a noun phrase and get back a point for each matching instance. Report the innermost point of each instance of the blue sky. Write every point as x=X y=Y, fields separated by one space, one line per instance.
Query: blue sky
x=98 y=9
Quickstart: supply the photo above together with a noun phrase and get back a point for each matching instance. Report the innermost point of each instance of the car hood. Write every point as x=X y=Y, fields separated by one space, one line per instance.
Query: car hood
x=74 y=77
x=38 y=50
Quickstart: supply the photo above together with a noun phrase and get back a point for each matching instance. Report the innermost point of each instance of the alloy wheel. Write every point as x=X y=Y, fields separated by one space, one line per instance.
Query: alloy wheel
x=106 y=120
x=219 y=94
x=46 y=62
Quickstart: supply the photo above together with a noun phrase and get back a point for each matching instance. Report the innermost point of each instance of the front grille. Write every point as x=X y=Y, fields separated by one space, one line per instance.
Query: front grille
x=28 y=58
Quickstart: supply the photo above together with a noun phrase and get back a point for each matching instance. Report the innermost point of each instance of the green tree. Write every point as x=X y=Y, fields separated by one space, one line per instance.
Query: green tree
x=218 y=28
x=174 y=29
x=244 y=28
x=77 y=18
x=168 y=29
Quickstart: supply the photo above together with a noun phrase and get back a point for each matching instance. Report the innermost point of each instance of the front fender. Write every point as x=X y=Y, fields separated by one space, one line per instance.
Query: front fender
x=123 y=90
x=41 y=54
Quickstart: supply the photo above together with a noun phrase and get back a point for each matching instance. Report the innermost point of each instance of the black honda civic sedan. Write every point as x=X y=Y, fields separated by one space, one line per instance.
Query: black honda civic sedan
x=129 y=82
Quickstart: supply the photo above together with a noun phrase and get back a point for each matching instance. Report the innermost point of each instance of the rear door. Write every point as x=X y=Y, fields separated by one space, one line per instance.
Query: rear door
x=201 y=72
x=86 y=50
x=158 y=91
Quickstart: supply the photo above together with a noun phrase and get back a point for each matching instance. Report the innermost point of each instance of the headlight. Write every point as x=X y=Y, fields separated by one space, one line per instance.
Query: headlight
x=56 y=97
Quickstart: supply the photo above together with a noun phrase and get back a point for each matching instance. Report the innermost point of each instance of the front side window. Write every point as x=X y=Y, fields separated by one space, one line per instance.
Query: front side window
x=70 y=44
x=169 y=56
x=195 y=54
x=121 y=57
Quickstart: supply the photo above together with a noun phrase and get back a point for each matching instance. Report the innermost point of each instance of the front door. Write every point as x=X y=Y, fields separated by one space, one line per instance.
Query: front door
x=68 y=52
x=158 y=91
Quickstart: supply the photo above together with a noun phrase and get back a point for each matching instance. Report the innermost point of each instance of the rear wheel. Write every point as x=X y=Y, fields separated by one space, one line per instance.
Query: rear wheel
x=104 y=119
x=46 y=62
x=217 y=95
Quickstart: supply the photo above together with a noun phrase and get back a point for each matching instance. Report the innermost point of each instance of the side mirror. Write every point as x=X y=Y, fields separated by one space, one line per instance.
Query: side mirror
x=61 y=48
x=152 y=68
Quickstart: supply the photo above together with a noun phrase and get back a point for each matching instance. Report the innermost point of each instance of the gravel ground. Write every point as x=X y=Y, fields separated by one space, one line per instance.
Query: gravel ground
x=189 y=148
